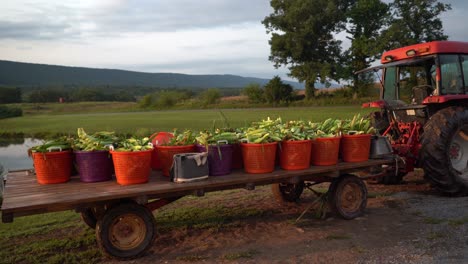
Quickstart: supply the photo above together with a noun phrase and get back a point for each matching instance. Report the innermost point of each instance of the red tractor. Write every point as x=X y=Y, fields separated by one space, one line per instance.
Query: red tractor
x=423 y=111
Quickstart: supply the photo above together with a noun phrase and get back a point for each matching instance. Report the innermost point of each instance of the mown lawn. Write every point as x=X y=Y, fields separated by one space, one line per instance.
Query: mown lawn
x=145 y=123
x=48 y=238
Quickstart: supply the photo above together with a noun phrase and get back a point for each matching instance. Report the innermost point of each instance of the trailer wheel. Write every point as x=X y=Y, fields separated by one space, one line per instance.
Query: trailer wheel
x=391 y=179
x=89 y=217
x=444 y=151
x=287 y=192
x=126 y=231
x=348 y=196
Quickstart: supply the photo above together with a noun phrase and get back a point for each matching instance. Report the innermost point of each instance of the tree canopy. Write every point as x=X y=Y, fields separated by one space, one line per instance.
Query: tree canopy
x=415 y=21
x=364 y=31
x=302 y=38
x=276 y=91
x=304 y=34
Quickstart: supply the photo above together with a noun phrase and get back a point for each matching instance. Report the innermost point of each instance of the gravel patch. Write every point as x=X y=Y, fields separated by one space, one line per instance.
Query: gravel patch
x=444 y=227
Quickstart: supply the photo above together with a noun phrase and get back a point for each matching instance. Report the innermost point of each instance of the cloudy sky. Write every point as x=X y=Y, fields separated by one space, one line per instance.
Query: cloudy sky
x=183 y=36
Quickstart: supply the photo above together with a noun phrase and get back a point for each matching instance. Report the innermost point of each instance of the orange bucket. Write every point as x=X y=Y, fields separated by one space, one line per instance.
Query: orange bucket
x=159 y=139
x=295 y=155
x=166 y=155
x=324 y=151
x=132 y=167
x=52 y=167
x=259 y=158
x=355 y=148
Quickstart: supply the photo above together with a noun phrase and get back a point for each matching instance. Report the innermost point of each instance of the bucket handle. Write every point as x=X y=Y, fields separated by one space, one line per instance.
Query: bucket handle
x=222 y=142
x=50 y=149
x=111 y=147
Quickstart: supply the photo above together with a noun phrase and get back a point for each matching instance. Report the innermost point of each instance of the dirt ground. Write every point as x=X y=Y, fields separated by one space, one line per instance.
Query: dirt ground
x=407 y=223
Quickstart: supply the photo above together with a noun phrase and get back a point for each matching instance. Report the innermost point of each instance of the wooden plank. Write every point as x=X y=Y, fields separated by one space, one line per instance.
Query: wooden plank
x=23 y=195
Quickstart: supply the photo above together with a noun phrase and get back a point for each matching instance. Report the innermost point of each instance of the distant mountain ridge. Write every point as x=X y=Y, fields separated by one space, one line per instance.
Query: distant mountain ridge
x=31 y=74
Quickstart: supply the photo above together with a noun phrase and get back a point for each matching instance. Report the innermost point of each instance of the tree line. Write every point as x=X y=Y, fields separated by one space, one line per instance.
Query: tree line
x=303 y=35
x=108 y=93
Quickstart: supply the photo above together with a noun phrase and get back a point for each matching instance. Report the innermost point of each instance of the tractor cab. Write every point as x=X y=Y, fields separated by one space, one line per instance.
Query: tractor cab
x=425 y=89
x=423 y=75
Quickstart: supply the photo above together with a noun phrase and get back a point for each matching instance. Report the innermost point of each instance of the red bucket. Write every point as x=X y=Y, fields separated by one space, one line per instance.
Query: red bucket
x=355 y=148
x=159 y=139
x=295 y=155
x=166 y=155
x=52 y=167
x=259 y=158
x=325 y=151
x=132 y=167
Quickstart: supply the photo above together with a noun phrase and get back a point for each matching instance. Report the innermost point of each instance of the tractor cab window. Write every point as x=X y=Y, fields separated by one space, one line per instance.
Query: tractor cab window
x=410 y=81
x=416 y=80
x=464 y=59
x=451 y=75
x=411 y=77
x=390 y=84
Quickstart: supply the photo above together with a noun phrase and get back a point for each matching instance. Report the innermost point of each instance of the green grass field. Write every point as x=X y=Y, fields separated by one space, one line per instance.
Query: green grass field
x=145 y=123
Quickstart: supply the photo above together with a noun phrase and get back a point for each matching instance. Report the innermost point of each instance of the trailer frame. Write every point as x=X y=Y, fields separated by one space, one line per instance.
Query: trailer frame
x=122 y=215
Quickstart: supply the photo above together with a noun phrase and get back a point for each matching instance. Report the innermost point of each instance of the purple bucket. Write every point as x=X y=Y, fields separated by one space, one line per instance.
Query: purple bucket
x=218 y=165
x=94 y=166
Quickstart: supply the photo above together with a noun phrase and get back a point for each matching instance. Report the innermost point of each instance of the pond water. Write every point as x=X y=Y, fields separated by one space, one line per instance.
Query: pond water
x=14 y=153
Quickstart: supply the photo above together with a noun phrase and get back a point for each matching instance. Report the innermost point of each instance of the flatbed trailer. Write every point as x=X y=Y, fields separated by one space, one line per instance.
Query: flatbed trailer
x=122 y=215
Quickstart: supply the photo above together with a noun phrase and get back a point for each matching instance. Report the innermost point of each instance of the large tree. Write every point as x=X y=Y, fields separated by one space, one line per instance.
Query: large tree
x=415 y=21
x=365 y=22
x=254 y=92
x=302 y=38
x=276 y=91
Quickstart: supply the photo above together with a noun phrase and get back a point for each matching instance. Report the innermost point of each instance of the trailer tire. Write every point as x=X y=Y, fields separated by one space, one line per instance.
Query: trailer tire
x=444 y=151
x=287 y=192
x=391 y=179
x=347 y=196
x=126 y=231
x=89 y=217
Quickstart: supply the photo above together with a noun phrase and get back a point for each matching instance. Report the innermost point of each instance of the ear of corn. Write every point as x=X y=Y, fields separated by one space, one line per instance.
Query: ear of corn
x=97 y=141
x=268 y=130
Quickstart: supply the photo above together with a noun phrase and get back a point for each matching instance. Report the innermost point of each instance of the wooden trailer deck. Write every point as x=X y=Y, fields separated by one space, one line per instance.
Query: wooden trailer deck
x=24 y=196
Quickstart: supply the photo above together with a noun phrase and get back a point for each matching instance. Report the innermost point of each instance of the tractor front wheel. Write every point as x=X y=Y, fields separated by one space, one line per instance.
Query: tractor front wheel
x=444 y=151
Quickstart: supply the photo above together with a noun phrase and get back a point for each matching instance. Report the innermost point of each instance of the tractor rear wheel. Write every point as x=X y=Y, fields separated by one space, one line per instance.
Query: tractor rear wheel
x=444 y=151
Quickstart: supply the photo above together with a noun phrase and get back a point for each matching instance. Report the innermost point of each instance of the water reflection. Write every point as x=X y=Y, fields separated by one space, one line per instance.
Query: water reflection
x=14 y=153
x=5 y=142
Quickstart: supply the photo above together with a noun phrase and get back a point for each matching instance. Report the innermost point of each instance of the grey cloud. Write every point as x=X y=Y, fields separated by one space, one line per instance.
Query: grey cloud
x=45 y=23
x=60 y=21
x=163 y=16
x=248 y=67
x=32 y=30
x=453 y=19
